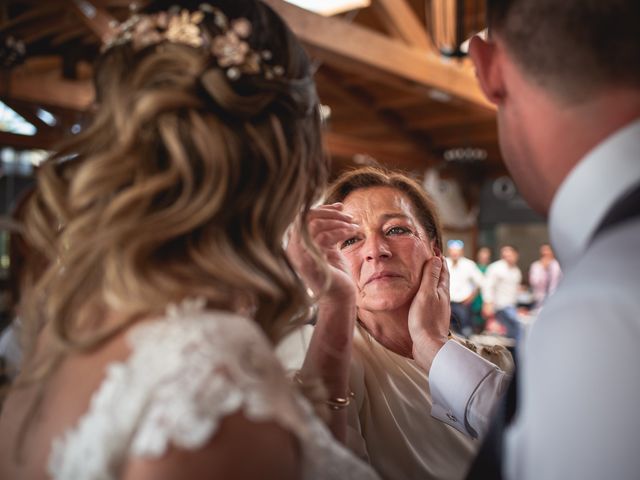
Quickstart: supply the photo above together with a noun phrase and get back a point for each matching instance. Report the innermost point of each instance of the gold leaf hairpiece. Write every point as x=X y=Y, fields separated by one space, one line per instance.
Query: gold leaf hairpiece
x=230 y=47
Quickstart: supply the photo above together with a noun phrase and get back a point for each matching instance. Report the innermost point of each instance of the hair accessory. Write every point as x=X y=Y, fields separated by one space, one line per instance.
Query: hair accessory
x=229 y=47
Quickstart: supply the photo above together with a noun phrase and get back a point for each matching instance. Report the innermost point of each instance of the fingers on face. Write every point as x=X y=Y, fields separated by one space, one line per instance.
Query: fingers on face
x=328 y=232
x=443 y=281
x=333 y=211
x=435 y=276
x=435 y=269
x=331 y=238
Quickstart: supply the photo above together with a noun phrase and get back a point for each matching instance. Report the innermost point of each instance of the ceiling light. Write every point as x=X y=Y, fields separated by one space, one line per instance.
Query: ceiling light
x=12 y=122
x=46 y=117
x=330 y=7
x=467 y=154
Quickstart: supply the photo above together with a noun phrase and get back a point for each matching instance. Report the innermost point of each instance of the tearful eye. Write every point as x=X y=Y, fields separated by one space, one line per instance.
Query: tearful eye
x=348 y=242
x=398 y=231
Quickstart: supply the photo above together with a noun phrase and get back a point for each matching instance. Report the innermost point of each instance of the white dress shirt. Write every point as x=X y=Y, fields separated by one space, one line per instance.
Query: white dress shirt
x=501 y=285
x=464 y=278
x=579 y=391
x=579 y=410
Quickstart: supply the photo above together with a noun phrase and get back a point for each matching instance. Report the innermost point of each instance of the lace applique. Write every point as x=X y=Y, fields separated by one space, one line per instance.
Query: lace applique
x=187 y=372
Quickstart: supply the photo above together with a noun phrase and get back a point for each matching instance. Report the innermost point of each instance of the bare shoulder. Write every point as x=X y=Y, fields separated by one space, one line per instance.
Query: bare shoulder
x=241 y=449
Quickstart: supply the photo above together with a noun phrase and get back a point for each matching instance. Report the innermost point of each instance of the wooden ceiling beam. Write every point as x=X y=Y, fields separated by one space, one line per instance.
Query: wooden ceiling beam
x=462 y=138
x=401 y=21
x=48 y=90
x=394 y=155
x=26 y=142
x=454 y=119
x=98 y=19
x=43 y=31
x=371 y=116
x=33 y=13
x=67 y=35
x=358 y=49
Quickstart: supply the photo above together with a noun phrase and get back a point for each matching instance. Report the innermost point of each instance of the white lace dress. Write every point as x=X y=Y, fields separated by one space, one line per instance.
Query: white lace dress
x=185 y=373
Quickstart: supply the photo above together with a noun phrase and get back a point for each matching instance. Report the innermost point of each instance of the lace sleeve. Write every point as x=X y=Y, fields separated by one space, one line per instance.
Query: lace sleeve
x=185 y=374
x=223 y=366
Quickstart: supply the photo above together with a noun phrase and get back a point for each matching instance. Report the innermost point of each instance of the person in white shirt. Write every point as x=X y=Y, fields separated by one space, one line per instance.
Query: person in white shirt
x=500 y=290
x=465 y=282
x=565 y=78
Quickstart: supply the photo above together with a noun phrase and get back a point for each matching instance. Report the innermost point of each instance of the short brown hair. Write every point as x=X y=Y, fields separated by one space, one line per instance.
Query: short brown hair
x=367 y=177
x=571 y=47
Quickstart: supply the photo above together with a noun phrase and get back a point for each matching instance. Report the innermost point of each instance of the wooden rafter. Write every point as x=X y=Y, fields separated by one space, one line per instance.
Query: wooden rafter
x=31 y=85
x=95 y=17
x=364 y=105
x=357 y=48
x=26 y=142
x=67 y=35
x=31 y=15
x=394 y=154
x=401 y=20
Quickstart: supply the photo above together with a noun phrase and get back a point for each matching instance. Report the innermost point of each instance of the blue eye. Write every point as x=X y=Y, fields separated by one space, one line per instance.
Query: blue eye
x=398 y=231
x=348 y=242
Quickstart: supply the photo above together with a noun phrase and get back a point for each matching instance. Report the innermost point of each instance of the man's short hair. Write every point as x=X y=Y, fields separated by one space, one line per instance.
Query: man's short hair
x=573 y=48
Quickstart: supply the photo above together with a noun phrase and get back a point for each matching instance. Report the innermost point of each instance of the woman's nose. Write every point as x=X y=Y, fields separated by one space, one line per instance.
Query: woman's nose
x=376 y=247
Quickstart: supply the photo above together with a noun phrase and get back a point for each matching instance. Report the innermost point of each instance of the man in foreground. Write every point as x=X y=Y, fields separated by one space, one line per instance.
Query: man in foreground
x=565 y=77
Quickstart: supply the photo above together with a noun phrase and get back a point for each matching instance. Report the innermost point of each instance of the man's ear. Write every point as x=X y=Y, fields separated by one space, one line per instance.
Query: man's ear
x=486 y=58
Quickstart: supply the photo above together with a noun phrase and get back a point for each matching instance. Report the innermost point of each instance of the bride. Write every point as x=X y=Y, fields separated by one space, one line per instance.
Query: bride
x=153 y=326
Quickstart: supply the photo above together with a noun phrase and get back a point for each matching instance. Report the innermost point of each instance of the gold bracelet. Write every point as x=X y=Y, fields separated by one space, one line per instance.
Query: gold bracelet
x=338 y=403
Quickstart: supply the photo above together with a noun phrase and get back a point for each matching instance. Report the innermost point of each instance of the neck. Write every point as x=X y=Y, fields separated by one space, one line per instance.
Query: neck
x=389 y=328
x=562 y=134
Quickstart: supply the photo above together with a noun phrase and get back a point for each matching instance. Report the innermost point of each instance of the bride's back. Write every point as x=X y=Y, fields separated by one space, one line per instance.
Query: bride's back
x=24 y=452
x=204 y=148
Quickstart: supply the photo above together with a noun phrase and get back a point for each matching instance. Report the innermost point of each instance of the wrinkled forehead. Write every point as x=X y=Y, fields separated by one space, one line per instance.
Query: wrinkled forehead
x=375 y=204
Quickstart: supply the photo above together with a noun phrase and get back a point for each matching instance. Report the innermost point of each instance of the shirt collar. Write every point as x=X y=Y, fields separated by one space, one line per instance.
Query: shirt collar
x=590 y=189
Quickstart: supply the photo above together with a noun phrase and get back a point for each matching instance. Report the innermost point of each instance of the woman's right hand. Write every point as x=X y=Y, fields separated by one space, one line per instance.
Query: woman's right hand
x=328 y=355
x=328 y=226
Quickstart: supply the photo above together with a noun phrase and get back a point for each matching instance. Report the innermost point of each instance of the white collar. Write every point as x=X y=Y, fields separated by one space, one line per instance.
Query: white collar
x=590 y=189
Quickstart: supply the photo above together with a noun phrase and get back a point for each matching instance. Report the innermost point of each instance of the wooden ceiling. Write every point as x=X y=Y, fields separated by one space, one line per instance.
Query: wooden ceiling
x=394 y=98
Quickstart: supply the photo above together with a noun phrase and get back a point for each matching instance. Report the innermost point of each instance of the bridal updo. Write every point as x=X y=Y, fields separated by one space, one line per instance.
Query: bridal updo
x=205 y=146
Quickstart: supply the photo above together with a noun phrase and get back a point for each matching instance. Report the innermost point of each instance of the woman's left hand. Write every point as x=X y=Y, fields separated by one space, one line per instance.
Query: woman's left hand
x=430 y=312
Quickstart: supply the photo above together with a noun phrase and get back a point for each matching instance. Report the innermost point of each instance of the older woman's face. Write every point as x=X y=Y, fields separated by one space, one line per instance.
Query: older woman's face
x=390 y=248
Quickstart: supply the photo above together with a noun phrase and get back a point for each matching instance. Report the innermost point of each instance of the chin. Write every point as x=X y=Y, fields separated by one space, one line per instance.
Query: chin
x=383 y=303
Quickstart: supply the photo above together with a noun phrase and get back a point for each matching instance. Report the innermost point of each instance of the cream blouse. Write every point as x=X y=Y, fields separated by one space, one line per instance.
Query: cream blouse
x=390 y=422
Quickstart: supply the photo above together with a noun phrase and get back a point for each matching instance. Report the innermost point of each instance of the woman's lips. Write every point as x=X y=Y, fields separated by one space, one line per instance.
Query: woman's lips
x=382 y=276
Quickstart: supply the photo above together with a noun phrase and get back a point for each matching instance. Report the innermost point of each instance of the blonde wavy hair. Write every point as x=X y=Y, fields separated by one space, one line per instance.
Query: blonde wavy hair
x=177 y=191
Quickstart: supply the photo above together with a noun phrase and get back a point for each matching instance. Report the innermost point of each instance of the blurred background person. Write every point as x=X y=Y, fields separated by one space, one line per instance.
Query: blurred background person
x=483 y=259
x=544 y=275
x=500 y=291
x=465 y=282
